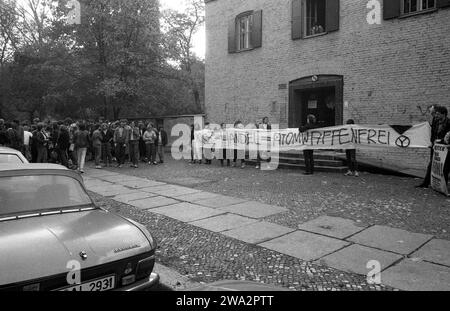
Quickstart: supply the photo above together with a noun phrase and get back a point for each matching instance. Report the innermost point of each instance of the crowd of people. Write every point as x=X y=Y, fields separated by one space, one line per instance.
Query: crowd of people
x=70 y=143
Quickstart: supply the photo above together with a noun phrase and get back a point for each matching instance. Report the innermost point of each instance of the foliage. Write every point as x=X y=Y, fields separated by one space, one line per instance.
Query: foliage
x=117 y=63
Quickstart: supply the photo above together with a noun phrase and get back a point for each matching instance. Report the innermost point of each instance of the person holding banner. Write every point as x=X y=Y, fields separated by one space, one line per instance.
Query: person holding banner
x=309 y=154
x=238 y=146
x=265 y=125
x=439 y=128
x=351 y=159
x=223 y=130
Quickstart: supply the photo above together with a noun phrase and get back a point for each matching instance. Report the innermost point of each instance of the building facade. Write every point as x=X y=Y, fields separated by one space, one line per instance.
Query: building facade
x=377 y=62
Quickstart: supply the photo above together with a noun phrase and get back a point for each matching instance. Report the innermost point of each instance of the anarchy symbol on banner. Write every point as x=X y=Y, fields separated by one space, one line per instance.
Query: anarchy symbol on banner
x=403 y=141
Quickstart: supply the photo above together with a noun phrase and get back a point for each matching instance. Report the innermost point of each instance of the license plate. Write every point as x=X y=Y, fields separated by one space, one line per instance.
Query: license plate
x=99 y=285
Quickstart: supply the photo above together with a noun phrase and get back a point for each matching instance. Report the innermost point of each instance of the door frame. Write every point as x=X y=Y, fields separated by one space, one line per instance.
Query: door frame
x=310 y=83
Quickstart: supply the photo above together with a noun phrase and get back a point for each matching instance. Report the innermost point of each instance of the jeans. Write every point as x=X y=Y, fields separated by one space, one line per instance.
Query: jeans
x=151 y=152
x=134 y=151
x=351 y=160
x=120 y=153
x=97 y=154
x=309 y=160
x=42 y=155
x=427 y=180
x=106 y=153
x=63 y=157
x=81 y=156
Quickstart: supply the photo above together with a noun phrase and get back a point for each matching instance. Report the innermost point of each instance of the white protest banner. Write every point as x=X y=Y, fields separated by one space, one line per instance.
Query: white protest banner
x=330 y=138
x=438 y=181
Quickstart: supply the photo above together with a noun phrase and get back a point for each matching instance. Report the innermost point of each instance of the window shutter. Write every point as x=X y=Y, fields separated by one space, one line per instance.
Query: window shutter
x=297 y=19
x=232 y=36
x=443 y=3
x=256 y=35
x=332 y=15
x=391 y=9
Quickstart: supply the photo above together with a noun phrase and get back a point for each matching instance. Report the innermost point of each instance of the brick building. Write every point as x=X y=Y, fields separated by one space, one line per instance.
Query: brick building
x=289 y=58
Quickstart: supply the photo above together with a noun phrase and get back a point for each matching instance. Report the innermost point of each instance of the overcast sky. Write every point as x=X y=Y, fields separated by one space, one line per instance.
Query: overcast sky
x=199 y=40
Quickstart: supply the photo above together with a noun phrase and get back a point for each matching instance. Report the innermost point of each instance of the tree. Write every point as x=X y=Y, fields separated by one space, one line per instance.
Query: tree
x=179 y=29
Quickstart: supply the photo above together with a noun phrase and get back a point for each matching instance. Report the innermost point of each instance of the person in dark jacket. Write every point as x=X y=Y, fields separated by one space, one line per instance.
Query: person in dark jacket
x=161 y=143
x=309 y=154
x=351 y=158
x=62 y=145
x=439 y=128
x=82 y=143
x=4 y=139
x=107 y=138
x=42 y=139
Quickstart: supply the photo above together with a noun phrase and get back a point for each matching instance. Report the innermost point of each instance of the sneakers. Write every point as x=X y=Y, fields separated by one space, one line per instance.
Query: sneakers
x=349 y=173
x=257 y=167
x=356 y=174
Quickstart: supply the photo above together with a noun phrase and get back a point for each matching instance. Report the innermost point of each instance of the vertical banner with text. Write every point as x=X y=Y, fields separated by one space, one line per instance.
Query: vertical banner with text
x=438 y=181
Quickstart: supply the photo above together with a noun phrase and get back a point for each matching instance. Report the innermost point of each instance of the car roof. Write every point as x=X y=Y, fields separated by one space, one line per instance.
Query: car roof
x=13 y=169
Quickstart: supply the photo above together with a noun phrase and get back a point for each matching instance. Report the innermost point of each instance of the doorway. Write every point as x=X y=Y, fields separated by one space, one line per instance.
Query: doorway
x=321 y=96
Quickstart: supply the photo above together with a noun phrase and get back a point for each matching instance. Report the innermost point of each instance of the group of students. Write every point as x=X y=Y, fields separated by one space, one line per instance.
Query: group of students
x=69 y=143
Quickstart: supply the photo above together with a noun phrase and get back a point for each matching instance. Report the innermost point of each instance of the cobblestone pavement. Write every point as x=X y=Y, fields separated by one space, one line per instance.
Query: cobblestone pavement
x=369 y=200
x=206 y=256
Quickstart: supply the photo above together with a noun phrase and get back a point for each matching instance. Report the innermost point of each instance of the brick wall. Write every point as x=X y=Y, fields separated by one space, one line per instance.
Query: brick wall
x=389 y=70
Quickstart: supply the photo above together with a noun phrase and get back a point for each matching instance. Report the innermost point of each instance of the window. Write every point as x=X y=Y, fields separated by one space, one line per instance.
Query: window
x=20 y=194
x=10 y=158
x=244 y=28
x=413 y=6
x=397 y=8
x=245 y=32
x=313 y=17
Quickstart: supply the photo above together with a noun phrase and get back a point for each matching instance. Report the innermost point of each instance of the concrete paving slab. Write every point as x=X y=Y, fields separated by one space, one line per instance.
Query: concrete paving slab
x=223 y=222
x=127 y=198
x=118 y=178
x=140 y=183
x=253 y=209
x=304 y=245
x=96 y=183
x=170 y=190
x=335 y=227
x=417 y=276
x=220 y=201
x=153 y=202
x=114 y=190
x=258 y=232
x=187 y=181
x=197 y=196
x=391 y=239
x=435 y=251
x=99 y=173
x=186 y=212
x=355 y=258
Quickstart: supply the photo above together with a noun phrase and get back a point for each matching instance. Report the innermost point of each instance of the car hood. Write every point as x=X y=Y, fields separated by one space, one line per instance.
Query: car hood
x=39 y=247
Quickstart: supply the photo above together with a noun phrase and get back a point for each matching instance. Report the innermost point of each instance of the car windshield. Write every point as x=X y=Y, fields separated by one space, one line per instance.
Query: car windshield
x=21 y=194
x=9 y=158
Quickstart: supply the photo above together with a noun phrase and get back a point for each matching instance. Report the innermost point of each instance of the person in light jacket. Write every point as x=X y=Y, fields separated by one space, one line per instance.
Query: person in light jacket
x=149 y=140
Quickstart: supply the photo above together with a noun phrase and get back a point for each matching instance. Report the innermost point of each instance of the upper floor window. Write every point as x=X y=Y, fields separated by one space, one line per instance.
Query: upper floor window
x=245 y=32
x=244 y=29
x=399 y=8
x=314 y=17
x=413 y=6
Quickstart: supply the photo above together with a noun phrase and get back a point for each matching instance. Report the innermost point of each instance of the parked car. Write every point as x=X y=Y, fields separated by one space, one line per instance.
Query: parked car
x=9 y=155
x=53 y=237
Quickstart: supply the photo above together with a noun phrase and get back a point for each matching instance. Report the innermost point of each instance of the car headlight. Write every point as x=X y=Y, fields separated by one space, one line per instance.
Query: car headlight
x=147 y=234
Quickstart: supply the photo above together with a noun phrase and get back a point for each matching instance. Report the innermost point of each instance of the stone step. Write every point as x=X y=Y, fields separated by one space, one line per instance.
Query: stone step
x=317 y=166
